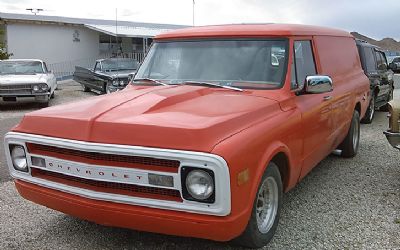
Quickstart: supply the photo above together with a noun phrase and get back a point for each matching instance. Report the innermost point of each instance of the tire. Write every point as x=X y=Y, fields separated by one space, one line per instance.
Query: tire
x=85 y=88
x=258 y=234
x=350 y=144
x=369 y=115
x=52 y=95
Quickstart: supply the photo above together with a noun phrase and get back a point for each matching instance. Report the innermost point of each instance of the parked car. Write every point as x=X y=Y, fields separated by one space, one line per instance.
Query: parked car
x=203 y=143
x=374 y=64
x=395 y=64
x=393 y=133
x=26 y=80
x=107 y=75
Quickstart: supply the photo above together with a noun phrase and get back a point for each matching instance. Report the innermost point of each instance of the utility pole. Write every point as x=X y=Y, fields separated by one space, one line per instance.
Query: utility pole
x=193 y=12
x=34 y=10
x=116 y=32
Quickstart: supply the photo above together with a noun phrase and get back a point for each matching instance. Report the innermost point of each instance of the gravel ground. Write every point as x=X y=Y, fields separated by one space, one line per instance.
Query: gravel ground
x=341 y=204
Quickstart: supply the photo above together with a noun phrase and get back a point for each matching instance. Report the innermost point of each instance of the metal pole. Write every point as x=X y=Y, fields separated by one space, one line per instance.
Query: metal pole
x=193 y=12
x=116 y=30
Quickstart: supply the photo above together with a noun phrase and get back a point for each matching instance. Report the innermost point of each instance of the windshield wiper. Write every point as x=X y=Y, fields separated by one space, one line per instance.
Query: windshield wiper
x=213 y=84
x=150 y=80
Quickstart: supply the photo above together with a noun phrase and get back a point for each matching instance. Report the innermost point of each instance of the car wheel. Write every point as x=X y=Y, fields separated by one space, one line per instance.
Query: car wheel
x=351 y=143
x=266 y=209
x=369 y=115
x=85 y=88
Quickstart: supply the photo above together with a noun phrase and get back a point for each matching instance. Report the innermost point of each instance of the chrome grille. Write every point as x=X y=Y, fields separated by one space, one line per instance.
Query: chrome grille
x=16 y=89
x=132 y=161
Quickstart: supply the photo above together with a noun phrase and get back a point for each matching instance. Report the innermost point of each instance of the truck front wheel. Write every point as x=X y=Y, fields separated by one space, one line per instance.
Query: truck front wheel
x=266 y=209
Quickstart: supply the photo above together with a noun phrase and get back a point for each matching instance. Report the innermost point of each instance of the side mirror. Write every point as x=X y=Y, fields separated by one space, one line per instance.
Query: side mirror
x=318 y=84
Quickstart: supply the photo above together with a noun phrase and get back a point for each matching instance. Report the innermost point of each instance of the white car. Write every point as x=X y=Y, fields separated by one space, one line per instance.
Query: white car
x=26 y=80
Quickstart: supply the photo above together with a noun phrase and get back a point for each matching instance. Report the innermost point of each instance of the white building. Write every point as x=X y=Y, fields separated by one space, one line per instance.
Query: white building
x=68 y=42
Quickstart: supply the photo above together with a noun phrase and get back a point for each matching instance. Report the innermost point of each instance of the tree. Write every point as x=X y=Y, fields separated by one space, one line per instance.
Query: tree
x=3 y=52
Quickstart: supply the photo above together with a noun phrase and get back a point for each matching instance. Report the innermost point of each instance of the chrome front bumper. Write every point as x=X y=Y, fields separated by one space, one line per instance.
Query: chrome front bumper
x=221 y=206
x=393 y=138
x=36 y=97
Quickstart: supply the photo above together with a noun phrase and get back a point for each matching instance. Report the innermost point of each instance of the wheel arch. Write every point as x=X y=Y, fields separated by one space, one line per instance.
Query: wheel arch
x=279 y=154
x=281 y=160
x=358 y=107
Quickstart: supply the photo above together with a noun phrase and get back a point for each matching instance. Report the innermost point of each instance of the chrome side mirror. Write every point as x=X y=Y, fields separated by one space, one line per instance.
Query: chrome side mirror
x=318 y=84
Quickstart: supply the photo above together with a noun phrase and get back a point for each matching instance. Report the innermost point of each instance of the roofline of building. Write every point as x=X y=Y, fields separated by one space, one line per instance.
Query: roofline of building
x=80 y=21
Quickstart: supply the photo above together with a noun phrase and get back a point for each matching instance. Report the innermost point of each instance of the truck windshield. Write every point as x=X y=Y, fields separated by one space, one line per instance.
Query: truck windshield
x=240 y=63
x=20 y=67
x=119 y=64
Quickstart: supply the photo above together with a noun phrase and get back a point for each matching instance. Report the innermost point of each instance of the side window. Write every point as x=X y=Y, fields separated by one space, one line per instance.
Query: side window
x=97 y=67
x=304 y=63
x=370 y=59
x=380 y=60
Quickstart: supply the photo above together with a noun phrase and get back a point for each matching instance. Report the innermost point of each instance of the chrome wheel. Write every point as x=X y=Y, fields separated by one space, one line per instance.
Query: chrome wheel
x=356 y=136
x=267 y=204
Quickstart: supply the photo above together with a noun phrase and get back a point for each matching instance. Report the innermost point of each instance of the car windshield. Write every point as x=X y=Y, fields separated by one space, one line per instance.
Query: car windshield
x=20 y=67
x=241 y=63
x=119 y=64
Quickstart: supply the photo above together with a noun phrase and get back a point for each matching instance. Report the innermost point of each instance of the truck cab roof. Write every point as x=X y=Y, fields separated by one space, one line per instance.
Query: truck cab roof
x=253 y=30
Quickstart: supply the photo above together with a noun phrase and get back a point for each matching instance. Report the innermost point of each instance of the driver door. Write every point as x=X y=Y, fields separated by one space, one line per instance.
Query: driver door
x=316 y=109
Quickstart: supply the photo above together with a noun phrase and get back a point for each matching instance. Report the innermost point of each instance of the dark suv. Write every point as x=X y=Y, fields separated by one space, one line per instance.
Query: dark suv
x=375 y=66
x=395 y=64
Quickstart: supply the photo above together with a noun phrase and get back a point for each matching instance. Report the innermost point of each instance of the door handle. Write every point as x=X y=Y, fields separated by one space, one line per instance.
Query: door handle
x=327 y=98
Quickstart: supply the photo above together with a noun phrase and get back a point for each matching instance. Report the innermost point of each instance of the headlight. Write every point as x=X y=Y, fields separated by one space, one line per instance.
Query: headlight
x=199 y=184
x=18 y=158
x=44 y=87
x=41 y=87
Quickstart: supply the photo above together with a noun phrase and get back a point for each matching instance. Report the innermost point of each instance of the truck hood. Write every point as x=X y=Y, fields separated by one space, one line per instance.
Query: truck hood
x=175 y=117
x=24 y=79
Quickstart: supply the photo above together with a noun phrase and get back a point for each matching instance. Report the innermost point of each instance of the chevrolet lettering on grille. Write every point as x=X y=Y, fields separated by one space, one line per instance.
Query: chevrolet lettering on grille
x=121 y=175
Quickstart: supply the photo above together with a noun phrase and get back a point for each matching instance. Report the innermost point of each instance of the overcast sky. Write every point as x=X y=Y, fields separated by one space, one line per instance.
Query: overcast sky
x=374 y=18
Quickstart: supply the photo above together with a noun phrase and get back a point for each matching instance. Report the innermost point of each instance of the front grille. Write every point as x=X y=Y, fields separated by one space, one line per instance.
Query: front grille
x=109 y=187
x=95 y=158
x=16 y=89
